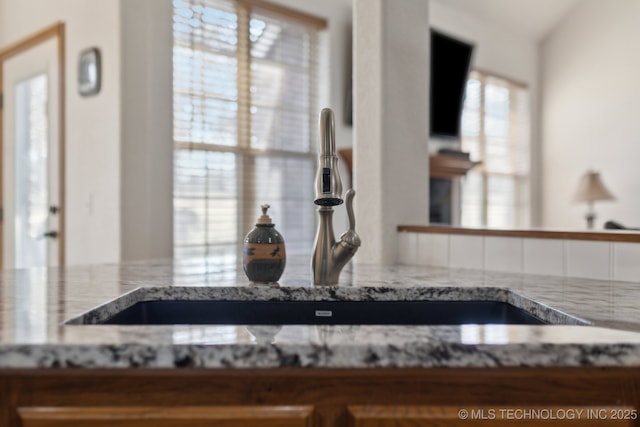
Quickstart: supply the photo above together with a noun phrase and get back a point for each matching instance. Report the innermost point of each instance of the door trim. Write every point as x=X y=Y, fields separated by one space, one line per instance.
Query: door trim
x=56 y=31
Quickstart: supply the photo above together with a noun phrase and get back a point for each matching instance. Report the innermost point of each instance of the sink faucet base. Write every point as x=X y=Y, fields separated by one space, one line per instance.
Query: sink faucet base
x=329 y=256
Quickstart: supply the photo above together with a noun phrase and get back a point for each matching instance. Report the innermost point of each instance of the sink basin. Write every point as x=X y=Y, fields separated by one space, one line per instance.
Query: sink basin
x=322 y=306
x=322 y=313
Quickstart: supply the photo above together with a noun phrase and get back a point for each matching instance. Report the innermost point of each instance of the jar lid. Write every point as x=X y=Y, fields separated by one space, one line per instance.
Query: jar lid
x=264 y=219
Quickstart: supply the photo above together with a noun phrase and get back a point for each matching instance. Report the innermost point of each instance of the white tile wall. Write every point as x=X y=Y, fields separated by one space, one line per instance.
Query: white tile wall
x=544 y=256
x=589 y=259
x=433 y=249
x=626 y=261
x=503 y=254
x=466 y=251
x=572 y=258
x=407 y=248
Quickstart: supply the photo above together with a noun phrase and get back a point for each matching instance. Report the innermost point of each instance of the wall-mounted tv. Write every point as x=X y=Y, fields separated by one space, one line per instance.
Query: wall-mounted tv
x=450 y=63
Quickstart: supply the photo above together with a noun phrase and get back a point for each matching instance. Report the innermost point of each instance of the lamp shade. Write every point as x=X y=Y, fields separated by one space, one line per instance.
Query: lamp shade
x=591 y=188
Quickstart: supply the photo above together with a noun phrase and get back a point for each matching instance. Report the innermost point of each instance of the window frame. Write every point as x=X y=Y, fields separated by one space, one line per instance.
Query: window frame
x=521 y=178
x=244 y=154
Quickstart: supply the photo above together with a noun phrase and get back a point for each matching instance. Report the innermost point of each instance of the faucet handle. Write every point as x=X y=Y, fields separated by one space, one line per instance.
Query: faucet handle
x=350 y=236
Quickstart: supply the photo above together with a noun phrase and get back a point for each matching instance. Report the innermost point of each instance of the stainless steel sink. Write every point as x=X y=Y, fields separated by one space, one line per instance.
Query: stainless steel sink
x=317 y=306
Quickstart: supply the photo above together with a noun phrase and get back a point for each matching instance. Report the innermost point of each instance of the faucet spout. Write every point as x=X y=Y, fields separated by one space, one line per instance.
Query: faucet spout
x=329 y=256
x=328 y=181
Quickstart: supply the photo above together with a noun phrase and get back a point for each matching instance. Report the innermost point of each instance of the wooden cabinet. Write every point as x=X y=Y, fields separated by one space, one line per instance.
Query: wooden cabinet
x=316 y=397
x=166 y=416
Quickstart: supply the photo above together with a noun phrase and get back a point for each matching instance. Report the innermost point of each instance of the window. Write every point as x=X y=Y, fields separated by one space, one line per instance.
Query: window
x=495 y=131
x=245 y=116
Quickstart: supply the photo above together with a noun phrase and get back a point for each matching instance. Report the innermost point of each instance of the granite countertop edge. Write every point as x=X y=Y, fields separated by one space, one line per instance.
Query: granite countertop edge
x=272 y=356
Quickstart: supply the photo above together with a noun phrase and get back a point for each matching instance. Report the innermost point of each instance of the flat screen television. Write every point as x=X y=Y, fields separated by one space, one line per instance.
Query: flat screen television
x=450 y=64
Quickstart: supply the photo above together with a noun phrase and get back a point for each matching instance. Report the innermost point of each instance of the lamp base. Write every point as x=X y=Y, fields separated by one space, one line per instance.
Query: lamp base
x=591 y=217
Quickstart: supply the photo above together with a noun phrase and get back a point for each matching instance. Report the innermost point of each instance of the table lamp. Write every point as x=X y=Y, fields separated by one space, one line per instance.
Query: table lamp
x=591 y=189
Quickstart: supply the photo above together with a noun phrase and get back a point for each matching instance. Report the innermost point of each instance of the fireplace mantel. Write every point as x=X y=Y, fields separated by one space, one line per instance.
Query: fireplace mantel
x=449 y=166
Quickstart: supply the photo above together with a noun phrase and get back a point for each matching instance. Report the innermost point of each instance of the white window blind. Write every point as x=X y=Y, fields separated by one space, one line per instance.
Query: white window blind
x=495 y=130
x=245 y=119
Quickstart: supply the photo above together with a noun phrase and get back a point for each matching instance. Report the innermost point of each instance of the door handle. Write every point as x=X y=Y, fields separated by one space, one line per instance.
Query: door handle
x=51 y=234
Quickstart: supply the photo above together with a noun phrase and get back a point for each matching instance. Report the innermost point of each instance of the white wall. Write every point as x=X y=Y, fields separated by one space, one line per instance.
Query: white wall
x=591 y=105
x=502 y=51
x=92 y=124
x=147 y=129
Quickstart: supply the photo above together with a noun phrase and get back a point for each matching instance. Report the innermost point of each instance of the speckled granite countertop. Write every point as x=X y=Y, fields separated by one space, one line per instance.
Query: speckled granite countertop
x=36 y=303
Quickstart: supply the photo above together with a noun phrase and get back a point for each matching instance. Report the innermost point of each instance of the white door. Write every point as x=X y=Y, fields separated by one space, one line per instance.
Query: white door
x=30 y=157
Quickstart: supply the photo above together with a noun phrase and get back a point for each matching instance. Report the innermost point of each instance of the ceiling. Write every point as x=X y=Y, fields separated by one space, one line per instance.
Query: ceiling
x=532 y=18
